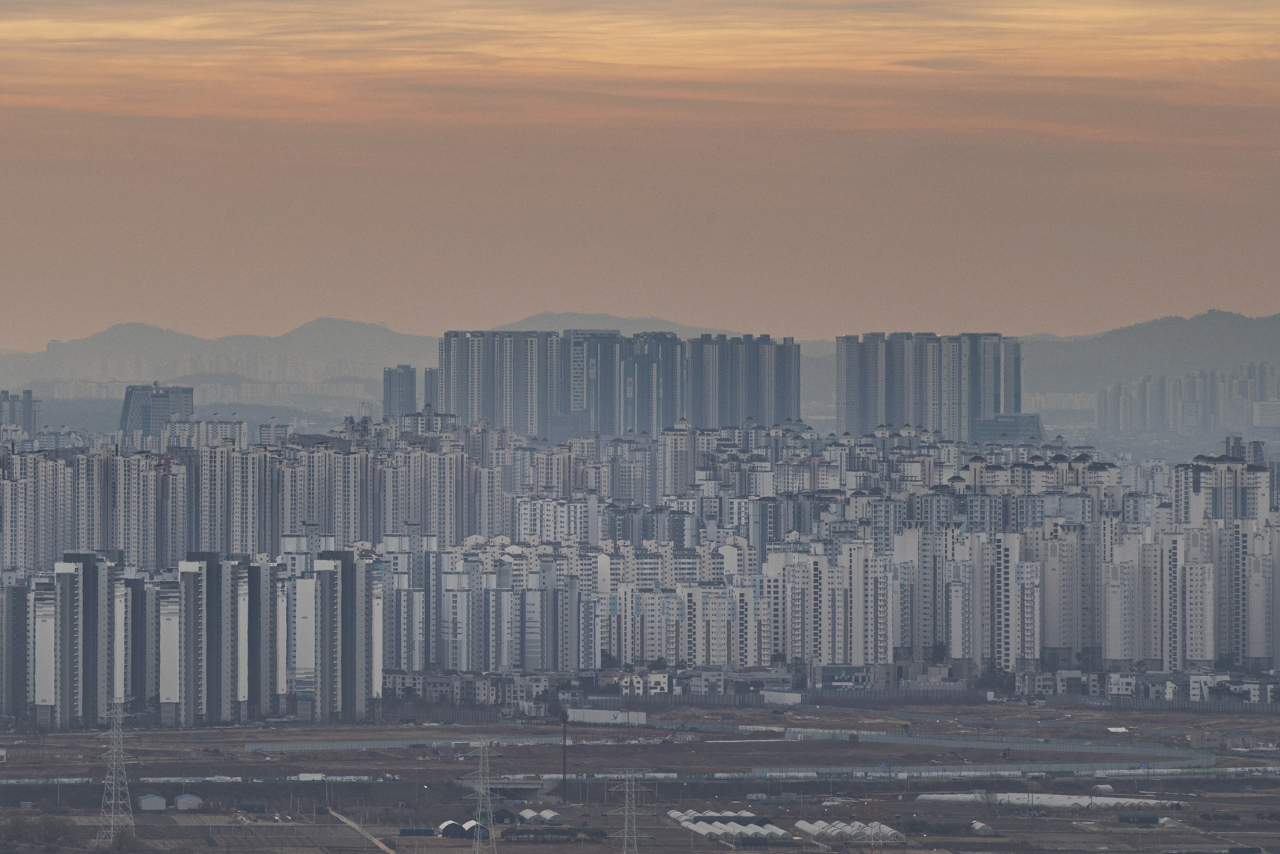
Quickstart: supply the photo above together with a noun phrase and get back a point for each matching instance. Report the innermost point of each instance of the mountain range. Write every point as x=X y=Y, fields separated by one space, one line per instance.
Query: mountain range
x=137 y=353
x=1169 y=346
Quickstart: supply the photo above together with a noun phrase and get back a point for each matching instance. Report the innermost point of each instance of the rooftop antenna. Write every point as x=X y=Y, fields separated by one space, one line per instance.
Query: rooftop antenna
x=117 y=811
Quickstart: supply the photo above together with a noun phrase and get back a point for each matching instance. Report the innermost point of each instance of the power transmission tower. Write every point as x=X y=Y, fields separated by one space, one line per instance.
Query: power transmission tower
x=875 y=842
x=117 y=811
x=629 y=836
x=484 y=841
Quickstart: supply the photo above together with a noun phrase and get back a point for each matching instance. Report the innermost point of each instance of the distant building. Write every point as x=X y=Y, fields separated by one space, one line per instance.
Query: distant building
x=150 y=407
x=21 y=411
x=188 y=802
x=1241 y=739
x=948 y=384
x=273 y=433
x=399 y=391
x=151 y=803
x=430 y=388
x=732 y=380
x=1008 y=428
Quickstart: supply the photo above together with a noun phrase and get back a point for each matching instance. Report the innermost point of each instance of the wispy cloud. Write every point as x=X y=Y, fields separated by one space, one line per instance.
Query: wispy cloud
x=853 y=64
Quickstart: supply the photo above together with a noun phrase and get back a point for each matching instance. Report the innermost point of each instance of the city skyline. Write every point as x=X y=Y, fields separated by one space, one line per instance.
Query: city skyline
x=563 y=503
x=214 y=573
x=413 y=415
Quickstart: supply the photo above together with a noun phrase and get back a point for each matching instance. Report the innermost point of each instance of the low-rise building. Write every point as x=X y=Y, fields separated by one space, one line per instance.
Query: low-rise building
x=151 y=803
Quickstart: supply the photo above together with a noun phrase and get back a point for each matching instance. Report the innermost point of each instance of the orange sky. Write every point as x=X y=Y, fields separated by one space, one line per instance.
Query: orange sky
x=805 y=168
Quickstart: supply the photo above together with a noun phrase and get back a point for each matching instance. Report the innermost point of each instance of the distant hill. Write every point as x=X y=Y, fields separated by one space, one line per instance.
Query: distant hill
x=140 y=353
x=1170 y=346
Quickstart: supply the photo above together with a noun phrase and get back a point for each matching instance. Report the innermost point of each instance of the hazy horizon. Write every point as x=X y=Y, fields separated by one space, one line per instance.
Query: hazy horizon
x=636 y=321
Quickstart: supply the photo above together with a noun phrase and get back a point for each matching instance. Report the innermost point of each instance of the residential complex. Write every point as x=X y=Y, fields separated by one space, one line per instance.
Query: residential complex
x=583 y=501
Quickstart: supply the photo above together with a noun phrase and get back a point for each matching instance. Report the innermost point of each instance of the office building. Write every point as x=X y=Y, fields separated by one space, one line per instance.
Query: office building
x=148 y=408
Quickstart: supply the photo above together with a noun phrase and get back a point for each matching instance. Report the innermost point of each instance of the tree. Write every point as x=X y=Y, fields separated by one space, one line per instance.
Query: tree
x=995 y=679
x=45 y=830
x=552 y=698
x=608 y=661
x=799 y=674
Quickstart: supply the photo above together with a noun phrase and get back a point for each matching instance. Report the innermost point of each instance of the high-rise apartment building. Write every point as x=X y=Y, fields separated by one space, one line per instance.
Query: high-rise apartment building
x=956 y=385
x=506 y=379
x=653 y=383
x=23 y=411
x=593 y=381
x=431 y=389
x=339 y=655
x=265 y=653
x=399 y=391
x=79 y=643
x=732 y=380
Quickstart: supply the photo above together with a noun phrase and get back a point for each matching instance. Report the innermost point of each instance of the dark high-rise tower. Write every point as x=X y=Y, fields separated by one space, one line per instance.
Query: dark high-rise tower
x=431 y=389
x=949 y=385
x=507 y=379
x=399 y=391
x=149 y=407
x=735 y=379
x=591 y=381
x=653 y=382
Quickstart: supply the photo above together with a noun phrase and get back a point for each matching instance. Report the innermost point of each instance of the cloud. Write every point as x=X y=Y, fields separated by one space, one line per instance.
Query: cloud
x=503 y=61
x=945 y=63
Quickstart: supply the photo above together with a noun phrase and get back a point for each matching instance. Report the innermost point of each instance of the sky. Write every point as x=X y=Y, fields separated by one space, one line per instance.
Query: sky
x=802 y=168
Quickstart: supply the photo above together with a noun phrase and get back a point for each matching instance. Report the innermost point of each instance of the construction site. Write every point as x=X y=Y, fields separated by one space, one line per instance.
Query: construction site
x=974 y=779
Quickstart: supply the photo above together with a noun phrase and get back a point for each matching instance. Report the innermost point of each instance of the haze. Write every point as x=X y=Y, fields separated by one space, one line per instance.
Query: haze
x=808 y=169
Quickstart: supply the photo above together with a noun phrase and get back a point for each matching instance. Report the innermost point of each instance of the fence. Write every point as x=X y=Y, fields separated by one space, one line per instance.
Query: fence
x=1004 y=769
x=398 y=744
x=954 y=742
x=1146 y=757
x=871 y=697
x=887 y=771
x=1180 y=705
x=652 y=701
x=437 y=713
x=872 y=700
x=330 y=832
x=810 y=697
x=1060 y=745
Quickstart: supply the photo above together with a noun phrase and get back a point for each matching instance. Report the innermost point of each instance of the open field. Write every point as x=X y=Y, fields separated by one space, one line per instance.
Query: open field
x=1214 y=818
x=222 y=751
x=1240 y=810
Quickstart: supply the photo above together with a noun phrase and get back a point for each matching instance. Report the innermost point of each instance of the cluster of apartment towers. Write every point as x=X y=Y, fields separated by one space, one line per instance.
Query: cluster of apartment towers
x=213 y=580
